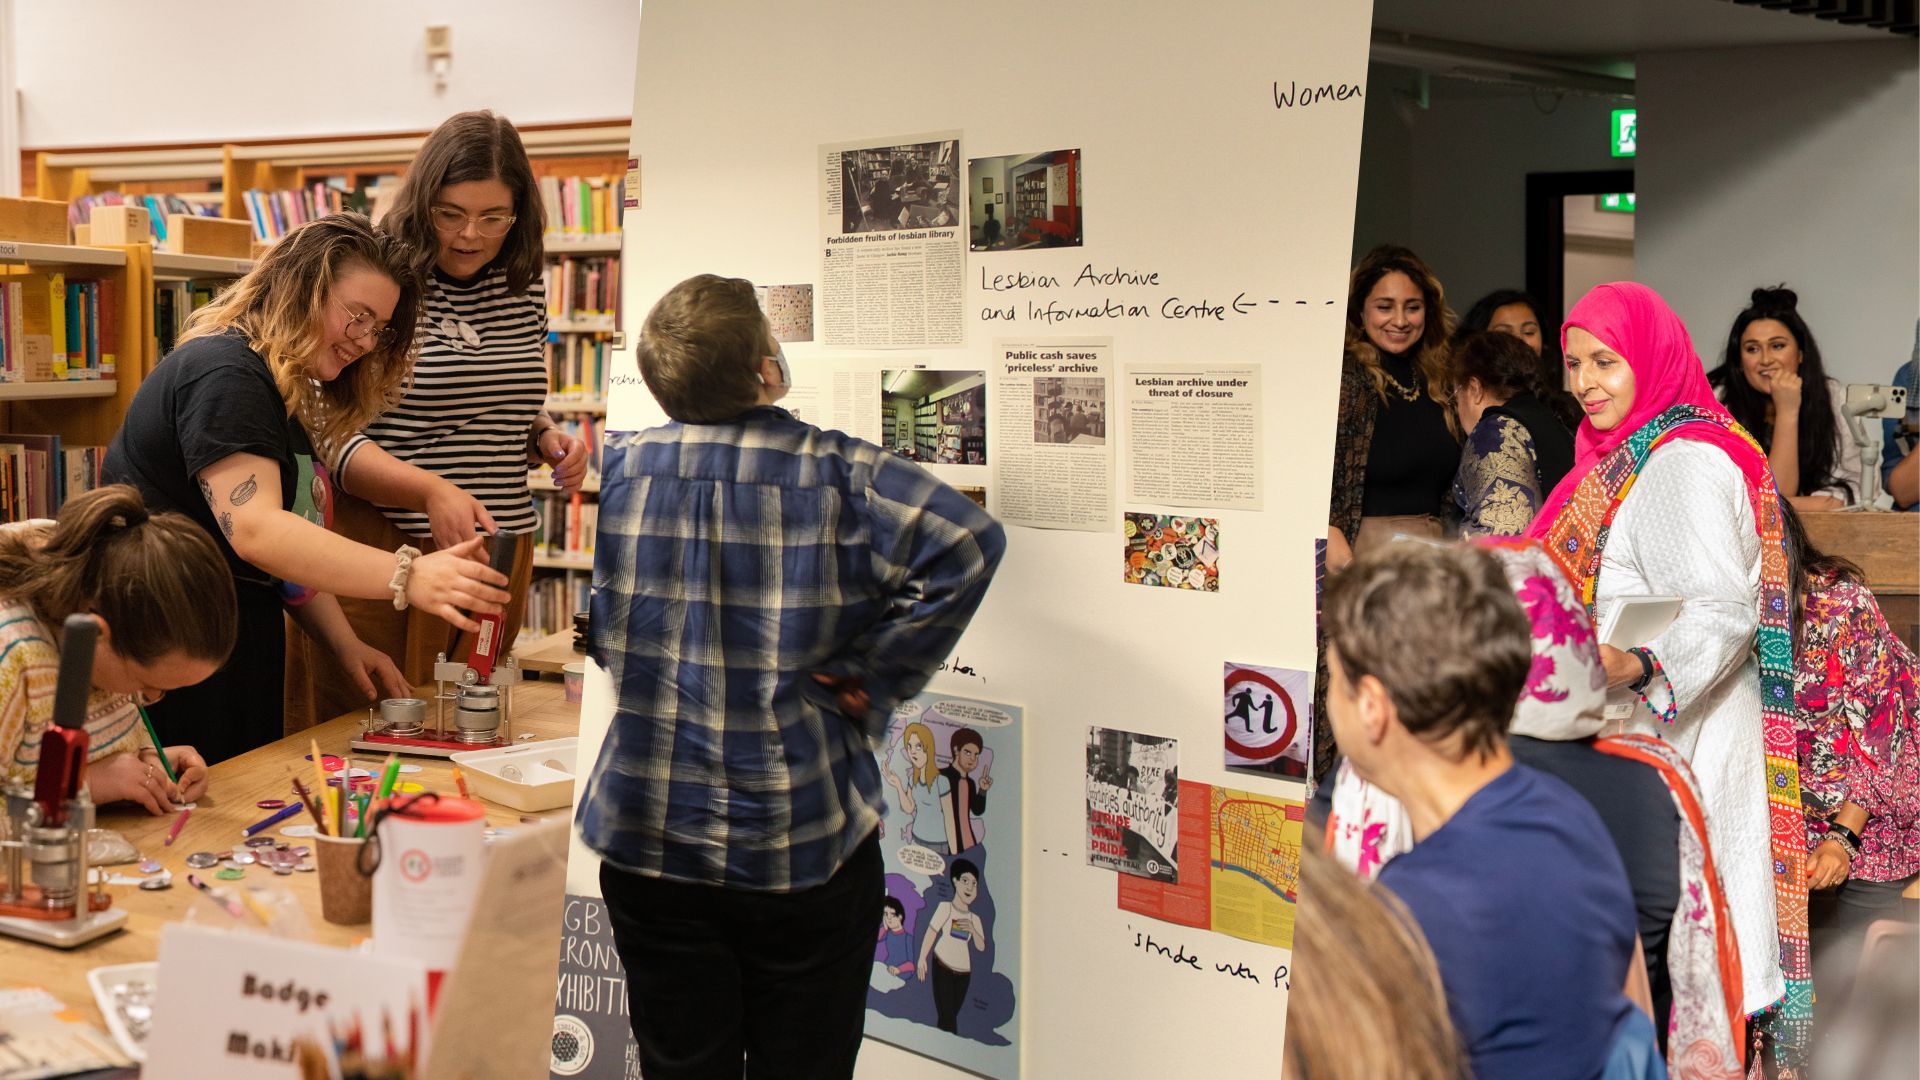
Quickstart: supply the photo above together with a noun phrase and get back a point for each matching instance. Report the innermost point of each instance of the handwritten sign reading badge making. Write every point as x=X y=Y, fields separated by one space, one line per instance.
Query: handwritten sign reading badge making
x=231 y=1004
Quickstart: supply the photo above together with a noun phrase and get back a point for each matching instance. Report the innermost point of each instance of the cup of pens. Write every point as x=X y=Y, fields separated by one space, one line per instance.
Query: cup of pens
x=346 y=895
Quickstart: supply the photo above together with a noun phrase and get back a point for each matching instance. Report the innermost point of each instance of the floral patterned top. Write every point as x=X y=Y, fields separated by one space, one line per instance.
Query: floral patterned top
x=1857 y=710
x=1497 y=489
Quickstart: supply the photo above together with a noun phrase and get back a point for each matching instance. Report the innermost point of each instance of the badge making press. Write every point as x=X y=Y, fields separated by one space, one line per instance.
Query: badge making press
x=44 y=895
x=481 y=691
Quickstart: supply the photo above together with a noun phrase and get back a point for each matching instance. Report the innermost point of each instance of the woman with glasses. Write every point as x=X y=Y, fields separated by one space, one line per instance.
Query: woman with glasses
x=474 y=413
x=243 y=426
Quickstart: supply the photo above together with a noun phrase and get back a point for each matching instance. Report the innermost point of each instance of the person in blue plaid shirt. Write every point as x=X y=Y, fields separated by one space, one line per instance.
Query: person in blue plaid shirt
x=765 y=593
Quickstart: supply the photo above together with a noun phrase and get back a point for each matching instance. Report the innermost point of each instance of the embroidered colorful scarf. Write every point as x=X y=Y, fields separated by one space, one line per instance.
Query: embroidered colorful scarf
x=1706 y=1027
x=1578 y=535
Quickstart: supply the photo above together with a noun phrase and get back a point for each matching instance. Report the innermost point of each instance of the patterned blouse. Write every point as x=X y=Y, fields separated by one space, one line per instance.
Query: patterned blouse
x=1497 y=489
x=29 y=671
x=1857 y=709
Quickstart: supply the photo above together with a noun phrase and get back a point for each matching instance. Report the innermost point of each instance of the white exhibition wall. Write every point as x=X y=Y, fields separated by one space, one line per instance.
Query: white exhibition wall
x=1192 y=172
x=1786 y=163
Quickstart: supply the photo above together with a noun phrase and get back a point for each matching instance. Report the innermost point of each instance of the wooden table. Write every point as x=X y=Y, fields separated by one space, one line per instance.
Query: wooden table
x=236 y=784
x=549 y=654
x=1886 y=545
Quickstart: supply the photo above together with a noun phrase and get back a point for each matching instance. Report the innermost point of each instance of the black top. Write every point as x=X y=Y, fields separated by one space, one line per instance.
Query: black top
x=1635 y=806
x=207 y=400
x=1552 y=442
x=1413 y=456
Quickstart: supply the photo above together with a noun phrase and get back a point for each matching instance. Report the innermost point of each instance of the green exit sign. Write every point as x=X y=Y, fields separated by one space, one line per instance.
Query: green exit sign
x=1617 y=202
x=1626 y=132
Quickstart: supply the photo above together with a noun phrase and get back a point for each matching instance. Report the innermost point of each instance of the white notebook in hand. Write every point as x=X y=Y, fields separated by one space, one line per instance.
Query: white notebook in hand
x=1631 y=621
x=1636 y=620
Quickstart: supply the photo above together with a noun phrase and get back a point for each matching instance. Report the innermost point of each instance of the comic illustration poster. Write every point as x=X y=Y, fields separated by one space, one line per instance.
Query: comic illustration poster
x=1133 y=802
x=946 y=966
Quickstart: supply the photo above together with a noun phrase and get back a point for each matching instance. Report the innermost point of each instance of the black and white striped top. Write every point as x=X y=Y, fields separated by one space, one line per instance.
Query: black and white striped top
x=478 y=381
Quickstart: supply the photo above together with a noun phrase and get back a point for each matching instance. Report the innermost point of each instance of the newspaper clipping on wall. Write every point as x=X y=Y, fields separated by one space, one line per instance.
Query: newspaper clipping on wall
x=1053 y=444
x=893 y=242
x=1194 y=435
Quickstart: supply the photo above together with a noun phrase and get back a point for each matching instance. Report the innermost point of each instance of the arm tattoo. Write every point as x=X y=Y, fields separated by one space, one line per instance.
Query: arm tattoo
x=206 y=491
x=243 y=491
x=226 y=524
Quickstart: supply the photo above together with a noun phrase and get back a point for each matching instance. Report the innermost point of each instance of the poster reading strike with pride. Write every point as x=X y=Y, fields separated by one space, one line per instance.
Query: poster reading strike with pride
x=1133 y=802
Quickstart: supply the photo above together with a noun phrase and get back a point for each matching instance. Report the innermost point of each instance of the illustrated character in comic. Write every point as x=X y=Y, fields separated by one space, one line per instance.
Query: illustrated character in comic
x=954 y=934
x=966 y=798
x=895 y=937
x=923 y=791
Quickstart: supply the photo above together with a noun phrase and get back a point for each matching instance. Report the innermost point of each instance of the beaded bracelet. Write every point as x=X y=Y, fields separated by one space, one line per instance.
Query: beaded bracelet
x=1847 y=838
x=1667 y=715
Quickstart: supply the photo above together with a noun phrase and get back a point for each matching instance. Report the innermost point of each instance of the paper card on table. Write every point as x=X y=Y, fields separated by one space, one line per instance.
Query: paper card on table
x=1190 y=901
x=494 y=1013
x=231 y=1004
x=1255 y=861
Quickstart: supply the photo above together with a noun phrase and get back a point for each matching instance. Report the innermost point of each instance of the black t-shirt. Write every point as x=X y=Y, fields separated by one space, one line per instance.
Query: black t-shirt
x=207 y=400
x=1413 y=456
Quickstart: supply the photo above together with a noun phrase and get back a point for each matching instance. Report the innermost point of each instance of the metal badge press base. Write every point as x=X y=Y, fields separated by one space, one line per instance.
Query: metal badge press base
x=482 y=714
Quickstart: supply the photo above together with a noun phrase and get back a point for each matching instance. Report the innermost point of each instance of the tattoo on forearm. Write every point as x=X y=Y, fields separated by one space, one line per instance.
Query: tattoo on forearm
x=206 y=491
x=226 y=524
x=243 y=491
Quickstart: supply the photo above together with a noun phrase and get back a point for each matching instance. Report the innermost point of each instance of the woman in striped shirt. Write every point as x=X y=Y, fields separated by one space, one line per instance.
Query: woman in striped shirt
x=474 y=412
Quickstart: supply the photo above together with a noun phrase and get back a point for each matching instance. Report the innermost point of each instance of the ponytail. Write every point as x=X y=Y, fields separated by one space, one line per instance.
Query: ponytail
x=157 y=579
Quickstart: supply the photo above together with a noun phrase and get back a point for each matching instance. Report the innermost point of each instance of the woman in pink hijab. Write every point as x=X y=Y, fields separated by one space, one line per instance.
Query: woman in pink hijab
x=1669 y=497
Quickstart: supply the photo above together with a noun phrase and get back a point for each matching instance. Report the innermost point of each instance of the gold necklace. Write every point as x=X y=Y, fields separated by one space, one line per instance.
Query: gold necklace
x=1407 y=393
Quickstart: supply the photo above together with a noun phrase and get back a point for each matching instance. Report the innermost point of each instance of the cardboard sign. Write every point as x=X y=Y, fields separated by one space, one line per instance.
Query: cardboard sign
x=231 y=1004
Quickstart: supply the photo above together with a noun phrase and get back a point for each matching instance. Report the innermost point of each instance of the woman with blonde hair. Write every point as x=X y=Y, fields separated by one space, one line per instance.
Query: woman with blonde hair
x=924 y=791
x=133 y=573
x=1367 y=1002
x=238 y=429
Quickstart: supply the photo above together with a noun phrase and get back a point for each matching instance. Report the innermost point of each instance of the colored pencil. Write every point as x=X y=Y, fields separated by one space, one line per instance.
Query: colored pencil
x=388 y=775
x=307 y=800
x=174 y=833
x=460 y=780
x=157 y=748
x=271 y=820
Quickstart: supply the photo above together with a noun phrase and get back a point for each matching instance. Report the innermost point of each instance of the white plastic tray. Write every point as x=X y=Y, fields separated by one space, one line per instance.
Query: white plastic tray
x=540 y=785
x=103 y=980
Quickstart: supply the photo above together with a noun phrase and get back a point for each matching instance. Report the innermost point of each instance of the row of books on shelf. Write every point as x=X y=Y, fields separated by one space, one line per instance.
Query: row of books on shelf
x=53 y=329
x=552 y=600
x=582 y=287
x=582 y=204
x=80 y=211
x=578 y=364
x=277 y=213
x=566 y=525
x=173 y=301
x=38 y=474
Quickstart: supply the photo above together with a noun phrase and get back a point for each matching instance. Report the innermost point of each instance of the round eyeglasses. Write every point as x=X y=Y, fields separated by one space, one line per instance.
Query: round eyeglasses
x=451 y=220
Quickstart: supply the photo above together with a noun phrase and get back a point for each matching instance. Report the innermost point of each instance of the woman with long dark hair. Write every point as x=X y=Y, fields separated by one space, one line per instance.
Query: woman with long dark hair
x=1516 y=313
x=1772 y=381
x=1393 y=452
x=1856 y=721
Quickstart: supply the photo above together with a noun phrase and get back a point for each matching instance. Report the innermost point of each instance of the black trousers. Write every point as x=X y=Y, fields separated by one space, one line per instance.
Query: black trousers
x=949 y=993
x=242 y=706
x=715 y=975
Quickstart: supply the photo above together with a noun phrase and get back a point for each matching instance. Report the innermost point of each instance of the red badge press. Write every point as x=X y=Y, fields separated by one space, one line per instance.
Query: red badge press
x=480 y=689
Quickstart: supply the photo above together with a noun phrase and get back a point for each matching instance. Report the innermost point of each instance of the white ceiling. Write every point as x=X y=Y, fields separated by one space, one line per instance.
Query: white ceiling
x=1609 y=29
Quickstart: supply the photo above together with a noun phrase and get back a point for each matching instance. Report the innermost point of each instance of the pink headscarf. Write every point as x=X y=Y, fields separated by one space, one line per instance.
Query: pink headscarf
x=1635 y=322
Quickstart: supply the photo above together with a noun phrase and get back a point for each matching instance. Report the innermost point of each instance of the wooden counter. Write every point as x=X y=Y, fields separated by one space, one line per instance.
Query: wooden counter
x=539 y=708
x=549 y=654
x=1886 y=545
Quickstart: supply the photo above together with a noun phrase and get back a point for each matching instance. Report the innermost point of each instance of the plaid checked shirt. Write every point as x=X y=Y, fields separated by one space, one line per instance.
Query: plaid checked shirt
x=733 y=562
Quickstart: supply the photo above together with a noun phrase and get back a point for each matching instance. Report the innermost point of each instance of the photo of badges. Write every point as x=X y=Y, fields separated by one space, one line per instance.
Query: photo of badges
x=1172 y=552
